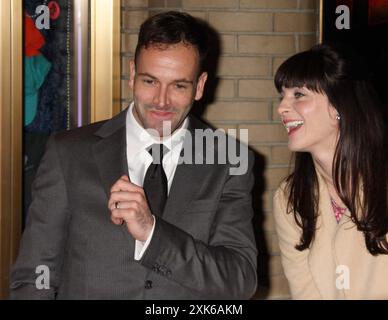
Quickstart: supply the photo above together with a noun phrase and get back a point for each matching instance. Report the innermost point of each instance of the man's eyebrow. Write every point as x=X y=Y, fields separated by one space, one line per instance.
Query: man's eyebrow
x=183 y=80
x=145 y=74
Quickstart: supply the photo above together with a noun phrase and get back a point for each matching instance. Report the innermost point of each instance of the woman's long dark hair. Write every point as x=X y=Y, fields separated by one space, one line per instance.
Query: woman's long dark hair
x=360 y=159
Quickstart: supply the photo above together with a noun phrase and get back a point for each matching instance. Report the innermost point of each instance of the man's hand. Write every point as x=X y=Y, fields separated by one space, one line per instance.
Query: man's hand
x=128 y=204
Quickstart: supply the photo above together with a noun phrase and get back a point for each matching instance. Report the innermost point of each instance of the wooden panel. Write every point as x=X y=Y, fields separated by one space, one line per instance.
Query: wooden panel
x=105 y=59
x=10 y=136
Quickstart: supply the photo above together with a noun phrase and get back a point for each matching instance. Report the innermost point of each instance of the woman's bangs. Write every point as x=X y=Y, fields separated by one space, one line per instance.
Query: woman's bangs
x=290 y=74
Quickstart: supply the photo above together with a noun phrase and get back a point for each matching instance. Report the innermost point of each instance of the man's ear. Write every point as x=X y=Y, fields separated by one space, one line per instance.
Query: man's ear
x=200 y=86
x=132 y=74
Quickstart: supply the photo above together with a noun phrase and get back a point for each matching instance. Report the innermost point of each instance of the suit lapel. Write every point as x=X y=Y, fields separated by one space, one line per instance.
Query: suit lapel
x=188 y=178
x=111 y=159
x=110 y=152
x=187 y=182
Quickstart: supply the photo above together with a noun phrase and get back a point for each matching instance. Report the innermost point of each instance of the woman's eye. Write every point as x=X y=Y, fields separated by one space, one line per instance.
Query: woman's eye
x=298 y=94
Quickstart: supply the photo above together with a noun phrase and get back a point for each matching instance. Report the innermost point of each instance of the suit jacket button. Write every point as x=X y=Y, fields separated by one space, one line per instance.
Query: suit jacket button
x=162 y=270
x=148 y=284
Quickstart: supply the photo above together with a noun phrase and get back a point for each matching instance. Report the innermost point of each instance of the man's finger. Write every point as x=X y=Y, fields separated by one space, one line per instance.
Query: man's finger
x=119 y=185
x=126 y=205
x=124 y=214
x=125 y=196
x=117 y=221
x=123 y=184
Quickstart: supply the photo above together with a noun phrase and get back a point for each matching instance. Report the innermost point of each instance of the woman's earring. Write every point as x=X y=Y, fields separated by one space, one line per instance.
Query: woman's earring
x=337 y=117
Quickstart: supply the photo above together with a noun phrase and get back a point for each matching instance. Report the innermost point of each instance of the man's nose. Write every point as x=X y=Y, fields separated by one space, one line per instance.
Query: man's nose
x=162 y=97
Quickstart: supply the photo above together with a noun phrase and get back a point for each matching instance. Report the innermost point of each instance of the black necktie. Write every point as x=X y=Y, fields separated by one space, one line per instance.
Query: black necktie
x=155 y=180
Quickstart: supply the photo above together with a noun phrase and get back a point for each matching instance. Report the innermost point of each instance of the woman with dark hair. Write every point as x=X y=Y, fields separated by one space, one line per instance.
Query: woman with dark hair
x=331 y=212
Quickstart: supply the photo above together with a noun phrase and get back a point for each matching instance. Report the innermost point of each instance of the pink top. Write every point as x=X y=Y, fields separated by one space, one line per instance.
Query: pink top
x=338 y=211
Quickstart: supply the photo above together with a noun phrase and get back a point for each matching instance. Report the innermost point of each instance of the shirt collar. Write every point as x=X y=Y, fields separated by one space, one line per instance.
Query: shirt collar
x=138 y=139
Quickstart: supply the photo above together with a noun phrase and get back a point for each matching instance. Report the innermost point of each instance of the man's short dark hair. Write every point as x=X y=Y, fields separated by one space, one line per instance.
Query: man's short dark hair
x=173 y=27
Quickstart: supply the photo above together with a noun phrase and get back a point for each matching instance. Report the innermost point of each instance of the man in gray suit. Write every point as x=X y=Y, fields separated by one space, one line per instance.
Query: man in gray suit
x=116 y=214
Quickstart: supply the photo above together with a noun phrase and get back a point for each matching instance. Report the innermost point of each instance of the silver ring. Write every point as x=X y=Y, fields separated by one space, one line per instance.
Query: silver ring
x=116 y=205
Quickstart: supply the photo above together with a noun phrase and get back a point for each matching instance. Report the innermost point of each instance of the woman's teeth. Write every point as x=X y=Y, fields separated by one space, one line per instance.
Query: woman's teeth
x=293 y=124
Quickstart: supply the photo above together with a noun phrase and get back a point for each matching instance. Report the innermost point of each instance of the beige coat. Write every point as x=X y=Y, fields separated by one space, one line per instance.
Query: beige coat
x=337 y=265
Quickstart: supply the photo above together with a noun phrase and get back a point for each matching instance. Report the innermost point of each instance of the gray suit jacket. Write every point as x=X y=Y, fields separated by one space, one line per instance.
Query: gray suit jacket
x=202 y=248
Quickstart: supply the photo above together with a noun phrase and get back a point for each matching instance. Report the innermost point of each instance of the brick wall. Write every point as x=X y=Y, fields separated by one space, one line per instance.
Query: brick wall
x=256 y=36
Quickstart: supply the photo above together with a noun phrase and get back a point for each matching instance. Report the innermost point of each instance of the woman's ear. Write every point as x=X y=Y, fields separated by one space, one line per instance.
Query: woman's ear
x=334 y=114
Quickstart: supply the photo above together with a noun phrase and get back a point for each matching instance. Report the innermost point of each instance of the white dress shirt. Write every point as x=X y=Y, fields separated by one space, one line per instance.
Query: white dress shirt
x=139 y=159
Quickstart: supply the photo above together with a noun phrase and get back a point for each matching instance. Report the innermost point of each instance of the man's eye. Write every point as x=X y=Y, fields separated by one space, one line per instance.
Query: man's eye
x=181 y=86
x=148 y=81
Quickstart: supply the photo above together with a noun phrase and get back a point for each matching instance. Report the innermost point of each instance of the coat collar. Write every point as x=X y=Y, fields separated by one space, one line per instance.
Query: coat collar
x=323 y=250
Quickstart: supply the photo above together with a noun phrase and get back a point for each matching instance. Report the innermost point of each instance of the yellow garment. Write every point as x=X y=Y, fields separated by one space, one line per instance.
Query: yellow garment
x=337 y=254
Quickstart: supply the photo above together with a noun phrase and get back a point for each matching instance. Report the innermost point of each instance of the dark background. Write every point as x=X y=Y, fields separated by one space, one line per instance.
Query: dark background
x=52 y=103
x=52 y=111
x=368 y=37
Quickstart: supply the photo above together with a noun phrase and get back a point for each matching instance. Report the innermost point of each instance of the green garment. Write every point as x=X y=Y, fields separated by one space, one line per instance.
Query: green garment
x=36 y=69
